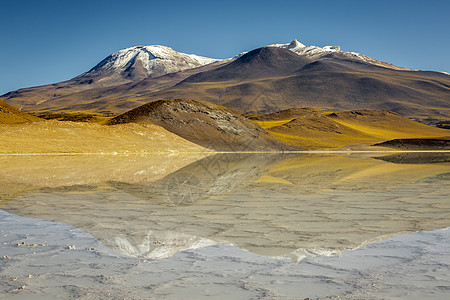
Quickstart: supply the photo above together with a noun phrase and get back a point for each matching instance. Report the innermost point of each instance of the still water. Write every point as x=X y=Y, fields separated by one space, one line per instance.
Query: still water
x=292 y=210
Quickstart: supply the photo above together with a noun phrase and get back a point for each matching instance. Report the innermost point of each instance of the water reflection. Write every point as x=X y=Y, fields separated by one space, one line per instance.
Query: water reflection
x=276 y=205
x=417 y=158
x=214 y=177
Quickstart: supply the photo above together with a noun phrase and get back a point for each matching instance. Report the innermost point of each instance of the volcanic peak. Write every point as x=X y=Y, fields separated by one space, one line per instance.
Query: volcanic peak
x=152 y=61
x=311 y=51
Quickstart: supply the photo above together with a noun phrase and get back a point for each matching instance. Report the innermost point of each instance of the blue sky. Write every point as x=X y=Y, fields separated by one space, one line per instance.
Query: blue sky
x=50 y=41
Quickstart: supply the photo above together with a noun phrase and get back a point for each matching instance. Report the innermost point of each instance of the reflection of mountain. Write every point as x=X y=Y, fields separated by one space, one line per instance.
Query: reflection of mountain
x=211 y=178
x=274 y=205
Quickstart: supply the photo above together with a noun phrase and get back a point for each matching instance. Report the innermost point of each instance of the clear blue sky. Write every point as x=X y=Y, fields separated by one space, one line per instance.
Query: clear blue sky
x=50 y=41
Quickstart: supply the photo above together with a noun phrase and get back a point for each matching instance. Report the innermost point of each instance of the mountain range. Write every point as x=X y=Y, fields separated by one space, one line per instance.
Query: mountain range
x=264 y=80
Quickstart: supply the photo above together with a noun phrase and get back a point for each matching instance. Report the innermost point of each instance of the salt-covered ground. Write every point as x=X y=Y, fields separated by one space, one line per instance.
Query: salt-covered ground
x=48 y=260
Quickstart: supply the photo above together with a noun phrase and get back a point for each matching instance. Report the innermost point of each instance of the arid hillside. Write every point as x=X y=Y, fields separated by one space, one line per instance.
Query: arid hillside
x=11 y=115
x=75 y=137
x=312 y=129
x=209 y=125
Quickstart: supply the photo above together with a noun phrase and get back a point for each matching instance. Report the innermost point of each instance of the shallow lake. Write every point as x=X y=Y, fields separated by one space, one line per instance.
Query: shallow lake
x=272 y=226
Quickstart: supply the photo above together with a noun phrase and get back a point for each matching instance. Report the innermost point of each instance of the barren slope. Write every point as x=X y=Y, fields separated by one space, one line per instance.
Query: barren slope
x=10 y=115
x=106 y=97
x=71 y=137
x=212 y=126
x=311 y=129
x=442 y=143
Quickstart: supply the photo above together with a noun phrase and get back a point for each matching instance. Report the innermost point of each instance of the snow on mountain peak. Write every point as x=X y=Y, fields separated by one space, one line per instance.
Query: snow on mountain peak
x=140 y=62
x=311 y=51
x=315 y=52
x=295 y=44
x=148 y=61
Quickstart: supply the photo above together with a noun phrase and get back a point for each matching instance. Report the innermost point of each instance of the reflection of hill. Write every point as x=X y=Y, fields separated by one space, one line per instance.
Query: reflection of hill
x=20 y=174
x=274 y=205
x=214 y=177
x=314 y=173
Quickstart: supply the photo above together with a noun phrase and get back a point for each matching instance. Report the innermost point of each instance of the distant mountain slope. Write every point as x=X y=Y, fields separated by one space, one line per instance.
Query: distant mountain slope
x=264 y=80
x=11 y=115
x=110 y=99
x=263 y=62
x=333 y=83
x=314 y=52
x=209 y=125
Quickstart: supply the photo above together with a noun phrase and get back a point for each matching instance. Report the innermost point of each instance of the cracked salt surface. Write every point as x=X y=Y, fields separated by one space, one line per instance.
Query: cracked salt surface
x=412 y=266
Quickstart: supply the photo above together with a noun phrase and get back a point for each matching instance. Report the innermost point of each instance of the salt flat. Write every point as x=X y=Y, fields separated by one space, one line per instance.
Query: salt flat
x=72 y=263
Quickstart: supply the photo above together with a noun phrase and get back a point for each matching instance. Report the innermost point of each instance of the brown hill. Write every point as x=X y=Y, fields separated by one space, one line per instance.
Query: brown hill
x=311 y=129
x=263 y=62
x=442 y=143
x=10 y=115
x=209 y=125
x=417 y=157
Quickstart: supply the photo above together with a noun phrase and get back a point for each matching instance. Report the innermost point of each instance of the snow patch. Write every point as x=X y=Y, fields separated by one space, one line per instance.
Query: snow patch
x=158 y=245
x=156 y=60
x=312 y=51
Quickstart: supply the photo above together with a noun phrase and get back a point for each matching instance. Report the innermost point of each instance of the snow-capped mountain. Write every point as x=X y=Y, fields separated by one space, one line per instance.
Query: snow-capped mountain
x=139 y=62
x=279 y=76
x=315 y=53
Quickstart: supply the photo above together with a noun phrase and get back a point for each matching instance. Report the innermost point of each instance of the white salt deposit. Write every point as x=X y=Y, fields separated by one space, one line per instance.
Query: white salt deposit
x=74 y=264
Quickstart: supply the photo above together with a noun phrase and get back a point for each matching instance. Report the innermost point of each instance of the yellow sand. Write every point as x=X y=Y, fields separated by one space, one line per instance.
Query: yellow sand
x=72 y=137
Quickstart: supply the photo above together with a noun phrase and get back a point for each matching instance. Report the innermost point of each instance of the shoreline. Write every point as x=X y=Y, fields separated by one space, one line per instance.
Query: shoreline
x=224 y=152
